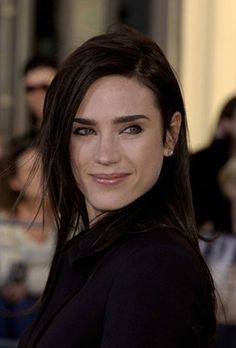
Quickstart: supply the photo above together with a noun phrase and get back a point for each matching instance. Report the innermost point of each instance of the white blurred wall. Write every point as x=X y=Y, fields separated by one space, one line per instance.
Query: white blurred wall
x=208 y=63
x=79 y=20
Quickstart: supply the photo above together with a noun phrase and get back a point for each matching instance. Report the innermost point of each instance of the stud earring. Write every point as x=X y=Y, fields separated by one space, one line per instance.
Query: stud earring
x=170 y=153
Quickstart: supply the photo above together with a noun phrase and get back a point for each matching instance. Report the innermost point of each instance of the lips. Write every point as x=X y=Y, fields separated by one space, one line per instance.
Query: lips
x=110 y=179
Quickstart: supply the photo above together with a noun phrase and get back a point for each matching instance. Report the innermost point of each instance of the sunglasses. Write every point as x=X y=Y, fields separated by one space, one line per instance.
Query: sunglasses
x=30 y=89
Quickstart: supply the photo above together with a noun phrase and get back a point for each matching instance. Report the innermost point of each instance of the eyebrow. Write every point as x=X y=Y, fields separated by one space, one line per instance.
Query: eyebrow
x=117 y=120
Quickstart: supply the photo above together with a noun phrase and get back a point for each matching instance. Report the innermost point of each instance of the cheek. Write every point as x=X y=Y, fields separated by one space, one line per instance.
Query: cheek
x=152 y=170
x=149 y=153
x=148 y=161
x=78 y=161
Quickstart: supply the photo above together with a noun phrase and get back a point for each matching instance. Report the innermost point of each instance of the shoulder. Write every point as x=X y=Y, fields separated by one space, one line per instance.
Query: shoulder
x=161 y=282
x=159 y=253
x=163 y=239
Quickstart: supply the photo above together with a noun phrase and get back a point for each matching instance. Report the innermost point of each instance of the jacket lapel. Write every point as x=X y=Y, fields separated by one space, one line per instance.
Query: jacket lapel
x=69 y=273
x=60 y=291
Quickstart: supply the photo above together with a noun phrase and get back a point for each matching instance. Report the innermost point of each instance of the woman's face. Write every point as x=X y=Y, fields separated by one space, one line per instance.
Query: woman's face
x=117 y=145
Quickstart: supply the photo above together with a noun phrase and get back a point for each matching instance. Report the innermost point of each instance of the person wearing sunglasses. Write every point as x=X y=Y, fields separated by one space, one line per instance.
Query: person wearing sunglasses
x=37 y=76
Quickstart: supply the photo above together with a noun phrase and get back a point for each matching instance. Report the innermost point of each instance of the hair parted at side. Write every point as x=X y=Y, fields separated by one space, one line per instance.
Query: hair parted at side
x=126 y=52
x=121 y=51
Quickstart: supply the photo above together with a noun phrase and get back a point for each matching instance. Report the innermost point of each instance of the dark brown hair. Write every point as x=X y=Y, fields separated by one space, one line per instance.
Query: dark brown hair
x=128 y=53
x=125 y=52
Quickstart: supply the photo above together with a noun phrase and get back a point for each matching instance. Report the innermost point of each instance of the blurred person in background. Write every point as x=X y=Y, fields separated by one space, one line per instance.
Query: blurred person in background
x=26 y=245
x=37 y=76
x=212 y=209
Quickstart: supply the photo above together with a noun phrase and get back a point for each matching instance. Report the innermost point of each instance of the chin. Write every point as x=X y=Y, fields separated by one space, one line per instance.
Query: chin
x=109 y=207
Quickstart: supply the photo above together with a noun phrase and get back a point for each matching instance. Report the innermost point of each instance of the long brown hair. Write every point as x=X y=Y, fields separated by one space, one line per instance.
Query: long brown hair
x=128 y=53
x=125 y=52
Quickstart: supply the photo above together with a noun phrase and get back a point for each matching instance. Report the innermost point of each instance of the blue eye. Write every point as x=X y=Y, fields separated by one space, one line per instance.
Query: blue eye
x=83 y=131
x=133 y=130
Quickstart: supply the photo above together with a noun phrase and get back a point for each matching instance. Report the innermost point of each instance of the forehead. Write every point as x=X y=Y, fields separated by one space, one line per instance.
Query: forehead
x=39 y=74
x=117 y=94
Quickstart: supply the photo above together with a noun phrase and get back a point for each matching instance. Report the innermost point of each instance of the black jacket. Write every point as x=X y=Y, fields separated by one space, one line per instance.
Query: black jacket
x=146 y=290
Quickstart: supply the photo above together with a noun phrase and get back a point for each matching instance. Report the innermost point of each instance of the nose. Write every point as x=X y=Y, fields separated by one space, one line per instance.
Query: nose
x=107 y=150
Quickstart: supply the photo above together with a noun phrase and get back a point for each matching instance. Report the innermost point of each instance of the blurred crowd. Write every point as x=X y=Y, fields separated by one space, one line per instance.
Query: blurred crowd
x=27 y=236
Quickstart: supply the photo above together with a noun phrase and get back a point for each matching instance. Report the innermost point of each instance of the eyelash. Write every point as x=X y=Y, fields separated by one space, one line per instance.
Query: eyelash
x=134 y=129
x=85 y=131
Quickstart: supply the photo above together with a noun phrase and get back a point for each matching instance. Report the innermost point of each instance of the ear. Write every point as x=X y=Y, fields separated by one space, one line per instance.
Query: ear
x=172 y=134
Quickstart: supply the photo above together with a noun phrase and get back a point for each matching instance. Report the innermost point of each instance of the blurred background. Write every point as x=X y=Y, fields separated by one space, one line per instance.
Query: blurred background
x=198 y=37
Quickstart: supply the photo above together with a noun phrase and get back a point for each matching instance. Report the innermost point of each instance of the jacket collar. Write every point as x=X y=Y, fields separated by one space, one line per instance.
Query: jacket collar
x=88 y=244
x=78 y=253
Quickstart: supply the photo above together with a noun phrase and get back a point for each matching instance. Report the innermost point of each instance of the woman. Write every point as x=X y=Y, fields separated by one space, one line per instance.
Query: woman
x=26 y=247
x=115 y=163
